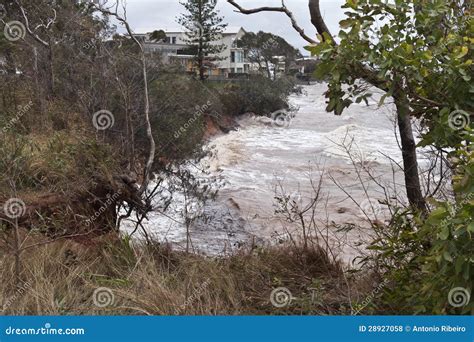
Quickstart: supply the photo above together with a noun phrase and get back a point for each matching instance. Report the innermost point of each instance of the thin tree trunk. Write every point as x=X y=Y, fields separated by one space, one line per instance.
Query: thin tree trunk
x=201 y=44
x=17 y=254
x=50 y=76
x=201 y=62
x=149 y=133
x=131 y=139
x=39 y=97
x=269 y=73
x=410 y=161
x=201 y=68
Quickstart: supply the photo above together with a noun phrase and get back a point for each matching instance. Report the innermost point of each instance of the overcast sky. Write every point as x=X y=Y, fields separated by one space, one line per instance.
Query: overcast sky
x=149 y=15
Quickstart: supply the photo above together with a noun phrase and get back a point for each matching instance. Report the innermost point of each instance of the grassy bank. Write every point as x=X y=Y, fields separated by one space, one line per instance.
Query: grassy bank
x=112 y=276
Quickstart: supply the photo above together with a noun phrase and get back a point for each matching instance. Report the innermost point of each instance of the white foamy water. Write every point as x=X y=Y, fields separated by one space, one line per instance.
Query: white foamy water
x=255 y=160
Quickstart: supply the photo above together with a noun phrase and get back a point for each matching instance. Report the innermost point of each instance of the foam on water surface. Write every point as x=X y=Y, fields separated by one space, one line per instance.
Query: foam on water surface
x=258 y=156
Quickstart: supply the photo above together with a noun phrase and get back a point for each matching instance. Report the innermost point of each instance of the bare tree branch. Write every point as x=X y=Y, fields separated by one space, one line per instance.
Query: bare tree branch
x=282 y=9
x=27 y=24
x=317 y=20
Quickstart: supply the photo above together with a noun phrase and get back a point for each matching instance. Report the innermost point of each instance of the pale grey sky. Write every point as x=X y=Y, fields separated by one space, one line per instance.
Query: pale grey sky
x=148 y=15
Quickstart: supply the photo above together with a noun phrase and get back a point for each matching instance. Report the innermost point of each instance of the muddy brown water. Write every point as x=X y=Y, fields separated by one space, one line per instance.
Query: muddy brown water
x=261 y=157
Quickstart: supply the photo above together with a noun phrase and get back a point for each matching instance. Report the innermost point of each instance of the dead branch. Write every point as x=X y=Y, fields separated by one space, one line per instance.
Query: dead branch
x=51 y=21
x=282 y=9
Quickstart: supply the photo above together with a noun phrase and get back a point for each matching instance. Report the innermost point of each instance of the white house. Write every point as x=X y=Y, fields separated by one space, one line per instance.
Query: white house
x=232 y=60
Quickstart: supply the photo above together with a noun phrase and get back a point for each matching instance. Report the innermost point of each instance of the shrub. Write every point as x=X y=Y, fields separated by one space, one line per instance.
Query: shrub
x=429 y=259
x=179 y=107
x=52 y=164
x=259 y=95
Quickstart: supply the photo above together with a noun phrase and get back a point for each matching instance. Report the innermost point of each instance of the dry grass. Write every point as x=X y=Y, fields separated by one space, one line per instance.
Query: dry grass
x=61 y=277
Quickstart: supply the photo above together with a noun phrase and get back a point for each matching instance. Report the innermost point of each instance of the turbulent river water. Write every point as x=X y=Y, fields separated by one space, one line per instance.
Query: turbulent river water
x=261 y=159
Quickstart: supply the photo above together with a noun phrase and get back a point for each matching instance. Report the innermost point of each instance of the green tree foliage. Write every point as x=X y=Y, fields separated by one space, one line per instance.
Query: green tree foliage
x=263 y=48
x=157 y=36
x=204 y=30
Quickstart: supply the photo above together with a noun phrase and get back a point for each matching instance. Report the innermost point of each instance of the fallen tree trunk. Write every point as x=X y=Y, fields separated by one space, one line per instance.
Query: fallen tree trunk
x=92 y=208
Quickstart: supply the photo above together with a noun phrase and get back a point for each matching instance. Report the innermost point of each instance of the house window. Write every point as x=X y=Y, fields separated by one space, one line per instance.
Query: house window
x=173 y=40
x=237 y=57
x=240 y=70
